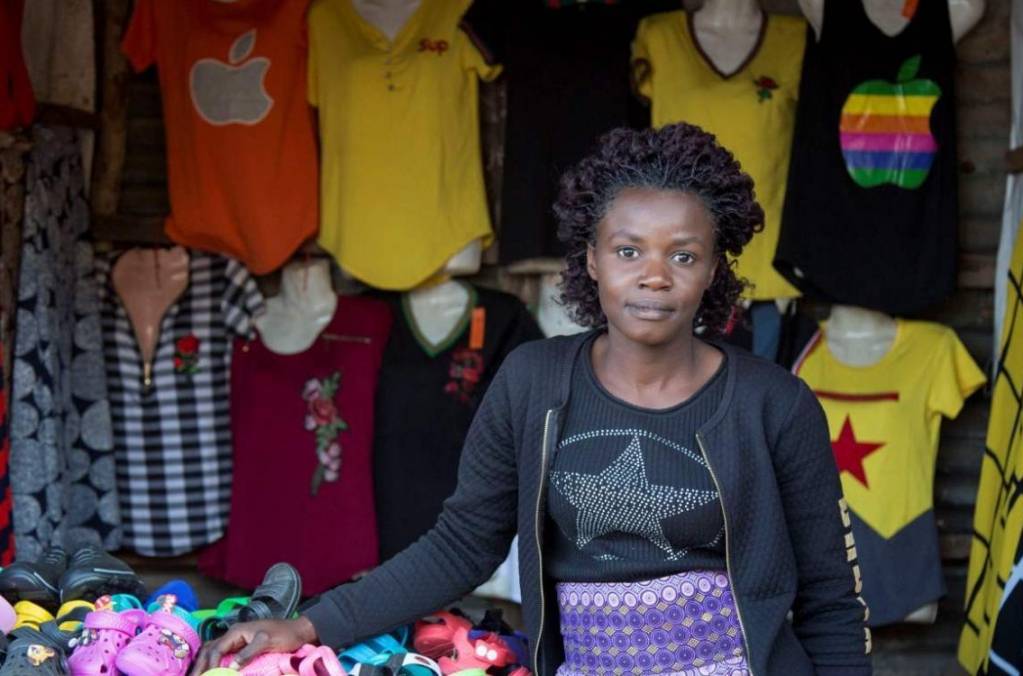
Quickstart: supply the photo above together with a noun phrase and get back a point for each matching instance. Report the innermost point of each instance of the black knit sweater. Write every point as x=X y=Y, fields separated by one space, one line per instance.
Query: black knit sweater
x=769 y=451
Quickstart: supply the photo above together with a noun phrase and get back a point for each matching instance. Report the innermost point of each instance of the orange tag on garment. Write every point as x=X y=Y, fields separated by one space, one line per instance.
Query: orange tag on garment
x=909 y=8
x=478 y=328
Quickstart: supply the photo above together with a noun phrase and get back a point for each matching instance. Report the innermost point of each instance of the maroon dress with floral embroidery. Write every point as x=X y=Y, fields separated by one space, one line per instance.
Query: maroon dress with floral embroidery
x=303 y=439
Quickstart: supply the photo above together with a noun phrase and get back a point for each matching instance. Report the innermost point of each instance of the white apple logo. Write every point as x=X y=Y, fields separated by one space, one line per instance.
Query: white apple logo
x=231 y=93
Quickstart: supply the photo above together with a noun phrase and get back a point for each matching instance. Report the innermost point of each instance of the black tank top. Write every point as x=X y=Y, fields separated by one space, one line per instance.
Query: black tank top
x=871 y=205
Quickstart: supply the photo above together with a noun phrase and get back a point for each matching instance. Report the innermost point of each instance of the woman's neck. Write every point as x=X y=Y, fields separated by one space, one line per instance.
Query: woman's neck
x=653 y=376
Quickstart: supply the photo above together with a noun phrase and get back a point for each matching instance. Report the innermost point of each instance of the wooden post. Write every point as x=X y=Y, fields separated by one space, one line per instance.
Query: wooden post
x=113 y=73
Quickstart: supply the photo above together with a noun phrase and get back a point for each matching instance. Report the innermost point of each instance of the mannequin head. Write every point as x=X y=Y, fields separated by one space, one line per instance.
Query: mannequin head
x=306 y=278
x=466 y=261
x=678 y=158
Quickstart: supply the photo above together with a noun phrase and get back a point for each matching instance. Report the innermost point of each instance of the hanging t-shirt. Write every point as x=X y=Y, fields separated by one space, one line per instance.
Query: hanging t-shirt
x=172 y=438
x=885 y=421
x=871 y=206
x=426 y=400
x=17 y=102
x=402 y=182
x=241 y=148
x=751 y=111
x=989 y=642
x=303 y=435
x=566 y=79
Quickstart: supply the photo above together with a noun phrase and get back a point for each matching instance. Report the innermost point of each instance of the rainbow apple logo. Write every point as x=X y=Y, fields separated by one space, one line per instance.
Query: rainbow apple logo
x=885 y=129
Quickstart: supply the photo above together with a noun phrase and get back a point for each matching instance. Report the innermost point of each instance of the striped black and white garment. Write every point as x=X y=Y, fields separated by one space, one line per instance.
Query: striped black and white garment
x=173 y=438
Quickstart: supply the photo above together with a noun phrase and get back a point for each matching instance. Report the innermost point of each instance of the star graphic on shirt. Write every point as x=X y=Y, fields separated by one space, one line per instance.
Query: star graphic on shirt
x=849 y=452
x=621 y=499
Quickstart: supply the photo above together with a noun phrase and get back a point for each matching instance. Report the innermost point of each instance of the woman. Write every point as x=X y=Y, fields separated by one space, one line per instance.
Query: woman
x=675 y=498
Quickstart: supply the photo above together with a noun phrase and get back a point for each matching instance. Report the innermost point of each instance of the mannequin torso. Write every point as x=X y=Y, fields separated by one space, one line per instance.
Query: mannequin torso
x=728 y=31
x=305 y=306
x=887 y=15
x=860 y=337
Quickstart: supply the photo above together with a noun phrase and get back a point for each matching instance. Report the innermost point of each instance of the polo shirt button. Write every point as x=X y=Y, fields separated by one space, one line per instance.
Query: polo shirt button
x=388 y=75
x=390 y=87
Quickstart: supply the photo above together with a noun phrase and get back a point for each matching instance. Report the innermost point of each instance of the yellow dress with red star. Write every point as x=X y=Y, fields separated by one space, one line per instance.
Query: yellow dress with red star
x=885 y=420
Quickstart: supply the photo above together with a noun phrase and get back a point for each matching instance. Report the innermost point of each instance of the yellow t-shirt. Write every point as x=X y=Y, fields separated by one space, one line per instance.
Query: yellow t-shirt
x=884 y=421
x=751 y=111
x=885 y=418
x=401 y=185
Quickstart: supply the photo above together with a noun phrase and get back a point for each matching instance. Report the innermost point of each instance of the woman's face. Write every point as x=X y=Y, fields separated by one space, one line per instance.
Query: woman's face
x=652 y=261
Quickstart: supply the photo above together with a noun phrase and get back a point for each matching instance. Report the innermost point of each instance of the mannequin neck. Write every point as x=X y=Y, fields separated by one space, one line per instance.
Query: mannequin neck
x=306 y=304
x=551 y=315
x=729 y=14
x=859 y=337
x=306 y=285
x=388 y=16
x=438 y=309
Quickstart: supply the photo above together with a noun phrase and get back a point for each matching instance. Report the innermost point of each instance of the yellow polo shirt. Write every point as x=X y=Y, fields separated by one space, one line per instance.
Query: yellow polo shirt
x=752 y=112
x=401 y=187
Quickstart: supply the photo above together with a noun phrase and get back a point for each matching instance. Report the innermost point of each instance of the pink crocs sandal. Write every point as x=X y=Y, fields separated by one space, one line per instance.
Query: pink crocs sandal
x=320 y=661
x=104 y=633
x=165 y=647
x=270 y=664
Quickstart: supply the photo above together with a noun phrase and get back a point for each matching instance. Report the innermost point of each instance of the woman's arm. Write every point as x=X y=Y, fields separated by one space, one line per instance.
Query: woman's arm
x=829 y=617
x=471 y=538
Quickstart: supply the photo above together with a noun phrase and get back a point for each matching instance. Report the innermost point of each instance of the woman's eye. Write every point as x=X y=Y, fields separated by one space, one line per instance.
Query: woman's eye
x=683 y=258
x=627 y=252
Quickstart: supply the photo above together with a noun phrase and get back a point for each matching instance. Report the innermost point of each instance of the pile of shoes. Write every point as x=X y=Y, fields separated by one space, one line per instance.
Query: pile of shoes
x=446 y=643
x=81 y=615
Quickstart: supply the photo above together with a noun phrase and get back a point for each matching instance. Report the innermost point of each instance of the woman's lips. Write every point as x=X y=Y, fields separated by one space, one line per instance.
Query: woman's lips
x=649 y=310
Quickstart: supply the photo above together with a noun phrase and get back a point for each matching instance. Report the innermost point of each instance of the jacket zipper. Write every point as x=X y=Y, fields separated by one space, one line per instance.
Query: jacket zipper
x=536 y=531
x=728 y=558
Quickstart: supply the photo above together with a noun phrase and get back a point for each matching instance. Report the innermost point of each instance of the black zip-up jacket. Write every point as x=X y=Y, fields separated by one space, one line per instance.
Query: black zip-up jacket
x=787 y=540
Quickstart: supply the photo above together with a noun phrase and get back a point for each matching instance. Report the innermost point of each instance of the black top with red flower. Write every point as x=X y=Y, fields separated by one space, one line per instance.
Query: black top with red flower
x=426 y=398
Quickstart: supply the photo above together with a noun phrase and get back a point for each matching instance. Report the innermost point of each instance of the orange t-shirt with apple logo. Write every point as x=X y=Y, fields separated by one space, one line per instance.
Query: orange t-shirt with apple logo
x=241 y=150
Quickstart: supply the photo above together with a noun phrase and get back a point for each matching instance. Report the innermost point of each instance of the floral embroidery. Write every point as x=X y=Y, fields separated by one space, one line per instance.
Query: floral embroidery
x=186 y=354
x=765 y=86
x=465 y=371
x=322 y=418
x=37 y=654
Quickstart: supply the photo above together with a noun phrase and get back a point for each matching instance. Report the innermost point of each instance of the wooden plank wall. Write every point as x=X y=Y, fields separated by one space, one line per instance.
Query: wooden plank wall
x=984 y=117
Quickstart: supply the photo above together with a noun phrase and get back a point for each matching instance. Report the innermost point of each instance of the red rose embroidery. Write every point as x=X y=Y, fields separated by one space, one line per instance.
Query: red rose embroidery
x=465 y=371
x=186 y=354
x=765 y=85
x=323 y=411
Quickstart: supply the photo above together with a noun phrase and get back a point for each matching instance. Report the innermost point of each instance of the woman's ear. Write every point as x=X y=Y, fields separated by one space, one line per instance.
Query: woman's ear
x=591 y=264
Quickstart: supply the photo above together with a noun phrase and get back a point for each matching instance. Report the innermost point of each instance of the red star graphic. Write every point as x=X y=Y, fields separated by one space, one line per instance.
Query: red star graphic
x=849 y=453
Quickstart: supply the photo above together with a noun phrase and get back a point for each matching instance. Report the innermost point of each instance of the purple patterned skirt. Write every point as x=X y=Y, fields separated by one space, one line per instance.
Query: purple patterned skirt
x=684 y=624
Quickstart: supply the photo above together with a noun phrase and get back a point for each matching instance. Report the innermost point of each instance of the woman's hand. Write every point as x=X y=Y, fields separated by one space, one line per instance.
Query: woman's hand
x=250 y=639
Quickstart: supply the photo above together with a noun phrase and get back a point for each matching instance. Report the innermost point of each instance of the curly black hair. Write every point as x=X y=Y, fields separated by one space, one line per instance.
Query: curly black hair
x=679 y=157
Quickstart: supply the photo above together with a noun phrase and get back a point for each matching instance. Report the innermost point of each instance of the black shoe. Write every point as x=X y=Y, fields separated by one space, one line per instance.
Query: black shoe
x=38 y=582
x=92 y=573
x=275 y=598
x=32 y=653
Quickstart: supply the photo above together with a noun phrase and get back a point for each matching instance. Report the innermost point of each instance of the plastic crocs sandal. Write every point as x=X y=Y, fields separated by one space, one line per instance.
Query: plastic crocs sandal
x=104 y=634
x=181 y=590
x=320 y=661
x=376 y=651
x=165 y=647
x=215 y=623
x=406 y=664
x=481 y=654
x=71 y=615
x=219 y=671
x=8 y=616
x=31 y=653
x=268 y=664
x=29 y=614
x=435 y=638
